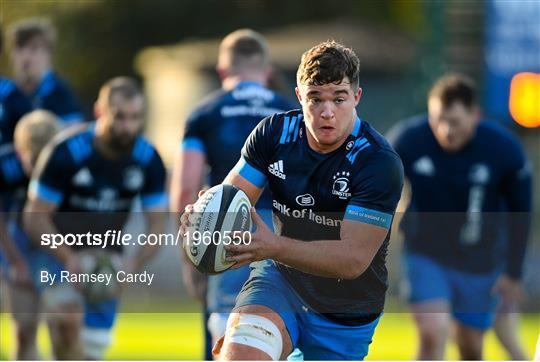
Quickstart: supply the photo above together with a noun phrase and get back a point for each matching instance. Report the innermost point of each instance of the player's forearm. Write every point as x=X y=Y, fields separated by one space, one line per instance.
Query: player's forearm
x=7 y=245
x=37 y=224
x=519 y=200
x=156 y=221
x=519 y=226
x=327 y=258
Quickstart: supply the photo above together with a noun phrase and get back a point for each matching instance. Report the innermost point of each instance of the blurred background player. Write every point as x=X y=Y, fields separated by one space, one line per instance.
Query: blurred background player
x=13 y=104
x=214 y=135
x=467 y=223
x=32 y=44
x=96 y=171
x=24 y=259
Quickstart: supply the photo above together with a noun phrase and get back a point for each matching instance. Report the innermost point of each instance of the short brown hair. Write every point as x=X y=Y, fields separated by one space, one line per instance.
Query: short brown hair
x=125 y=86
x=452 y=88
x=328 y=62
x=244 y=48
x=34 y=130
x=24 y=31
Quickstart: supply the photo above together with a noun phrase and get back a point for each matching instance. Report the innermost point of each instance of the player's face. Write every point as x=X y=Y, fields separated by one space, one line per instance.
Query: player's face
x=452 y=126
x=125 y=119
x=31 y=61
x=27 y=159
x=329 y=112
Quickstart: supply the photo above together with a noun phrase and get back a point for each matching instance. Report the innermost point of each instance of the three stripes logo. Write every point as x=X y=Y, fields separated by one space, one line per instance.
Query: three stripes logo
x=276 y=169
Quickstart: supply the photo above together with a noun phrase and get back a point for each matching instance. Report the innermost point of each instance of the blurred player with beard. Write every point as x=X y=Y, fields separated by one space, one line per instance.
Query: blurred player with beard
x=32 y=44
x=214 y=135
x=467 y=224
x=96 y=171
x=24 y=259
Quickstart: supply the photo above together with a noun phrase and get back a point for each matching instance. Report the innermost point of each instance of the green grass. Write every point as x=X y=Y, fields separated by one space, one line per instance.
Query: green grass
x=178 y=336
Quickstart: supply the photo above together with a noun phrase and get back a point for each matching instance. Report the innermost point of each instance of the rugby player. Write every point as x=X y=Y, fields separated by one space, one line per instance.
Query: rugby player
x=319 y=283
x=32 y=44
x=467 y=224
x=214 y=135
x=13 y=104
x=86 y=181
x=24 y=259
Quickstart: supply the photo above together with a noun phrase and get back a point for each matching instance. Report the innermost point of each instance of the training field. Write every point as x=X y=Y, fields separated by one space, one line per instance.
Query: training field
x=178 y=336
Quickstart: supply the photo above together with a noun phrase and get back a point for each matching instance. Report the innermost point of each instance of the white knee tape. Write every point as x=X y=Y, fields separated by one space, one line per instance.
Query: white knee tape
x=95 y=342
x=257 y=332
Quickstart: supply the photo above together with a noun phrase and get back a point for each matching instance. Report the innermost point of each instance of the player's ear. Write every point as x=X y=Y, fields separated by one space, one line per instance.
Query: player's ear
x=357 y=95
x=221 y=71
x=477 y=113
x=298 y=95
x=97 y=109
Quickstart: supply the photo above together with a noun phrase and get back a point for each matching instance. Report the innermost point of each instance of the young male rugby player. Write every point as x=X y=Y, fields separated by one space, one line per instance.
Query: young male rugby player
x=335 y=184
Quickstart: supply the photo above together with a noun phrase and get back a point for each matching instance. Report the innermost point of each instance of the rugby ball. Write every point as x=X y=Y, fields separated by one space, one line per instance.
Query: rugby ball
x=100 y=264
x=218 y=214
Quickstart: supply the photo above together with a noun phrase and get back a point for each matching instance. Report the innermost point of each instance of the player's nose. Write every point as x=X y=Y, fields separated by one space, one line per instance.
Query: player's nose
x=327 y=110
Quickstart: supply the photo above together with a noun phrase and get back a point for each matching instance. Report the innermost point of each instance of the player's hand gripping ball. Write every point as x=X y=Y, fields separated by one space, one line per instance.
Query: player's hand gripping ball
x=220 y=216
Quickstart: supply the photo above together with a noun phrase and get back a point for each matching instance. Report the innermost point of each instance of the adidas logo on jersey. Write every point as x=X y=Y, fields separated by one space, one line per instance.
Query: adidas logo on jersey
x=276 y=169
x=83 y=178
x=424 y=166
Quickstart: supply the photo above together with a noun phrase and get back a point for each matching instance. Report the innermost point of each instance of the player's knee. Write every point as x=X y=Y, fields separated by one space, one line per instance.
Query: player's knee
x=253 y=331
x=26 y=334
x=433 y=331
x=95 y=342
x=470 y=351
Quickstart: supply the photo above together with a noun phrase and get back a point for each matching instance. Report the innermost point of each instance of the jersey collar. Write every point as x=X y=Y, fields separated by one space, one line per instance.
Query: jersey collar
x=356 y=128
x=48 y=82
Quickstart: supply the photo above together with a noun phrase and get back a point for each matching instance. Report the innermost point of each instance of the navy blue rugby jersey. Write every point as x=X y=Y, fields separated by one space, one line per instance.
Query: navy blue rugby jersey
x=73 y=174
x=221 y=124
x=52 y=94
x=13 y=180
x=13 y=105
x=312 y=194
x=465 y=206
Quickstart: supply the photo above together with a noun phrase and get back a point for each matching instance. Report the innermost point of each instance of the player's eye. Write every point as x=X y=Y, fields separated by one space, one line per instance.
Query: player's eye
x=339 y=100
x=314 y=100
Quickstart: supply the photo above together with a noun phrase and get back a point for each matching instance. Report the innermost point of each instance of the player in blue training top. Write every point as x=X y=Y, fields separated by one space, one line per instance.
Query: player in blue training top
x=23 y=259
x=335 y=184
x=38 y=87
x=467 y=223
x=13 y=104
x=214 y=135
x=87 y=181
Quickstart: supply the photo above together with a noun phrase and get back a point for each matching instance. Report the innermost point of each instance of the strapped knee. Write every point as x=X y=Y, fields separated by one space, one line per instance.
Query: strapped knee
x=257 y=332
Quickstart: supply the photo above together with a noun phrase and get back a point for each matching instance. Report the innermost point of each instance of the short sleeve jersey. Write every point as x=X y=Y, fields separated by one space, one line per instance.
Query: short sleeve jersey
x=313 y=193
x=72 y=174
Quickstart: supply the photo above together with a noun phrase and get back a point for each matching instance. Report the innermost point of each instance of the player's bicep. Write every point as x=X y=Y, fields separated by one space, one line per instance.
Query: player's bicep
x=248 y=179
x=364 y=238
x=153 y=195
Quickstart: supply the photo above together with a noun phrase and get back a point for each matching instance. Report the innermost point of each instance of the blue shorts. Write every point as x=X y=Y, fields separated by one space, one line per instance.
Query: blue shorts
x=469 y=295
x=100 y=315
x=316 y=336
x=37 y=259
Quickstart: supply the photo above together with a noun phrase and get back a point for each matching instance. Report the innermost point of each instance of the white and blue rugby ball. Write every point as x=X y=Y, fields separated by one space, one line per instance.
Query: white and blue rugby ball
x=218 y=213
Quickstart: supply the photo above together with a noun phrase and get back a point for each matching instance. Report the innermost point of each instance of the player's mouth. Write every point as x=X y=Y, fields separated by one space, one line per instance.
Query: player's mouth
x=326 y=130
